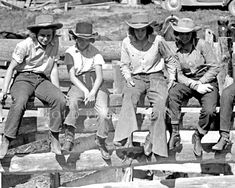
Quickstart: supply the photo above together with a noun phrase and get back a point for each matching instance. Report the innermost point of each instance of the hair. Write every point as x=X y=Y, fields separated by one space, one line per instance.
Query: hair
x=193 y=37
x=74 y=37
x=33 y=33
x=149 y=30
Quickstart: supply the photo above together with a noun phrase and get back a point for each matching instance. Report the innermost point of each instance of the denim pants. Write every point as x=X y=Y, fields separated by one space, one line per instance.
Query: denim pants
x=181 y=93
x=76 y=97
x=226 y=108
x=29 y=84
x=155 y=87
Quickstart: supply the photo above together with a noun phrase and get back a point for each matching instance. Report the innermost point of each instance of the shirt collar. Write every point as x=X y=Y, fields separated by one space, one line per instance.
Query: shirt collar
x=151 y=38
x=38 y=45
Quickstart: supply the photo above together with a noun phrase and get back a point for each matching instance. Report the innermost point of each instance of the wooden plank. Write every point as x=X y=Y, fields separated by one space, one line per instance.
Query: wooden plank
x=111 y=50
x=86 y=157
x=208 y=182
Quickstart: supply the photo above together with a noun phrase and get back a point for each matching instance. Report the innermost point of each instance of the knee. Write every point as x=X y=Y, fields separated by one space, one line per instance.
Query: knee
x=211 y=112
x=104 y=113
x=20 y=103
x=60 y=100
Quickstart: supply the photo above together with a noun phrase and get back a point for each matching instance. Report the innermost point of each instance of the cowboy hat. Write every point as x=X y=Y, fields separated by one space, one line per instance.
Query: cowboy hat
x=84 y=30
x=185 y=25
x=45 y=21
x=140 y=21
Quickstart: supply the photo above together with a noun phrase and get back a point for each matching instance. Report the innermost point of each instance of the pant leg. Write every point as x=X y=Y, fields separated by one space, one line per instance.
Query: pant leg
x=22 y=88
x=157 y=95
x=226 y=108
x=104 y=120
x=75 y=98
x=177 y=95
x=48 y=92
x=127 y=122
x=209 y=102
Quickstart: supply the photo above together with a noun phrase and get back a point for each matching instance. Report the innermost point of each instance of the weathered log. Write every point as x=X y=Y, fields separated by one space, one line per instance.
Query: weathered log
x=109 y=49
x=212 y=181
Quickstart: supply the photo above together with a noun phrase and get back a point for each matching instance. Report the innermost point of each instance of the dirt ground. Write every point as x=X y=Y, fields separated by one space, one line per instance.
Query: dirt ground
x=108 y=21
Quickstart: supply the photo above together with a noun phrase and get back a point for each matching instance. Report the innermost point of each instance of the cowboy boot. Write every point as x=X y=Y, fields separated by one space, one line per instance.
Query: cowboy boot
x=196 y=141
x=69 y=138
x=174 y=141
x=100 y=142
x=55 y=144
x=4 y=146
x=223 y=141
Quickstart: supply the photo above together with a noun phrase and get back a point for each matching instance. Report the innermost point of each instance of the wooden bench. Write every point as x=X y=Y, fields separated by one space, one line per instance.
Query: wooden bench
x=52 y=163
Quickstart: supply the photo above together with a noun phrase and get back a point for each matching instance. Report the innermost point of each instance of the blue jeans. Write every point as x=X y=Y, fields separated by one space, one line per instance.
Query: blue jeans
x=76 y=97
x=226 y=108
x=155 y=87
x=29 y=84
x=181 y=93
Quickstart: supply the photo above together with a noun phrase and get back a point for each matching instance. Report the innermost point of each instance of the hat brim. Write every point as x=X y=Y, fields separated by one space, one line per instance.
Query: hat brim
x=184 y=29
x=139 y=25
x=85 y=36
x=54 y=26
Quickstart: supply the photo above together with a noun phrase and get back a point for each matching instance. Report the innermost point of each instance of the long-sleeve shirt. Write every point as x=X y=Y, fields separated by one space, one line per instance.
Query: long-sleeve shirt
x=154 y=59
x=197 y=64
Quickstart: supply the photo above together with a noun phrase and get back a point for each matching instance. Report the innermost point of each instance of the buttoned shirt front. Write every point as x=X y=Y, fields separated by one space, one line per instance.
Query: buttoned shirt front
x=152 y=60
x=197 y=64
x=31 y=56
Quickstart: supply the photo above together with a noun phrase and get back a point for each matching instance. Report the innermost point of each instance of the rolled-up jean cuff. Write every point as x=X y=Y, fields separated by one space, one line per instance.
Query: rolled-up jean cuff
x=54 y=131
x=175 y=122
x=101 y=136
x=12 y=137
x=68 y=124
x=201 y=131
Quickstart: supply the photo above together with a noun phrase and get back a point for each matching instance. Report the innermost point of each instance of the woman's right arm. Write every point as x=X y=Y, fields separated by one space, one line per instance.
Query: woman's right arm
x=8 y=77
x=70 y=66
x=125 y=64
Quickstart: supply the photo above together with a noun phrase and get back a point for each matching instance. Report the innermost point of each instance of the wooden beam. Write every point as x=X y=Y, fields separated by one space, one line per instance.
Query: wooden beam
x=85 y=157
x=210 y=182
x=111 y=50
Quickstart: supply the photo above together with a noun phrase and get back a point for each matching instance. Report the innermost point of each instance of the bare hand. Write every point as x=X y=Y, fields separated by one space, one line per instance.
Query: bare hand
x=90 y=98
x=204 y=88
x=130 y=82
x=3 y=96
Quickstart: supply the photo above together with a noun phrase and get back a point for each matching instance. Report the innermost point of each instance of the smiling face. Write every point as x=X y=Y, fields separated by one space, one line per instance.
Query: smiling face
x=141 y=33
x=45 y=36
x=82 y=43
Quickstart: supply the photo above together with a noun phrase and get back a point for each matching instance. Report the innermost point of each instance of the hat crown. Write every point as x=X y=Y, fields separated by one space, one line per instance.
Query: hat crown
x=139 y=19
x=186 y=23
x=44 y=20
x=83 y=28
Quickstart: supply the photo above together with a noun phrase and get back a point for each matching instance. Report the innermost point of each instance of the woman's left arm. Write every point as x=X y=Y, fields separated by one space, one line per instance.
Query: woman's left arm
x=55 y=76
x=169 y=58
x=98 y=80
x=211 y=61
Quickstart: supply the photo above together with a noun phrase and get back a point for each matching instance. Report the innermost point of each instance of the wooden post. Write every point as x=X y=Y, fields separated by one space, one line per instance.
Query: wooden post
x=55 y=180
x=225 y=48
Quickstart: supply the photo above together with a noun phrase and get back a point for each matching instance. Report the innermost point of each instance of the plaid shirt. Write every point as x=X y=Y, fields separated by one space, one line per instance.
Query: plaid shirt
x=197 y=64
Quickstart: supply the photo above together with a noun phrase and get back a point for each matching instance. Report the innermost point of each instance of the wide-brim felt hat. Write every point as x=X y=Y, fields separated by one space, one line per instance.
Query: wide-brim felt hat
x=84 y=30
x=185 y=25
x=140 y=21
x=45 y=21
